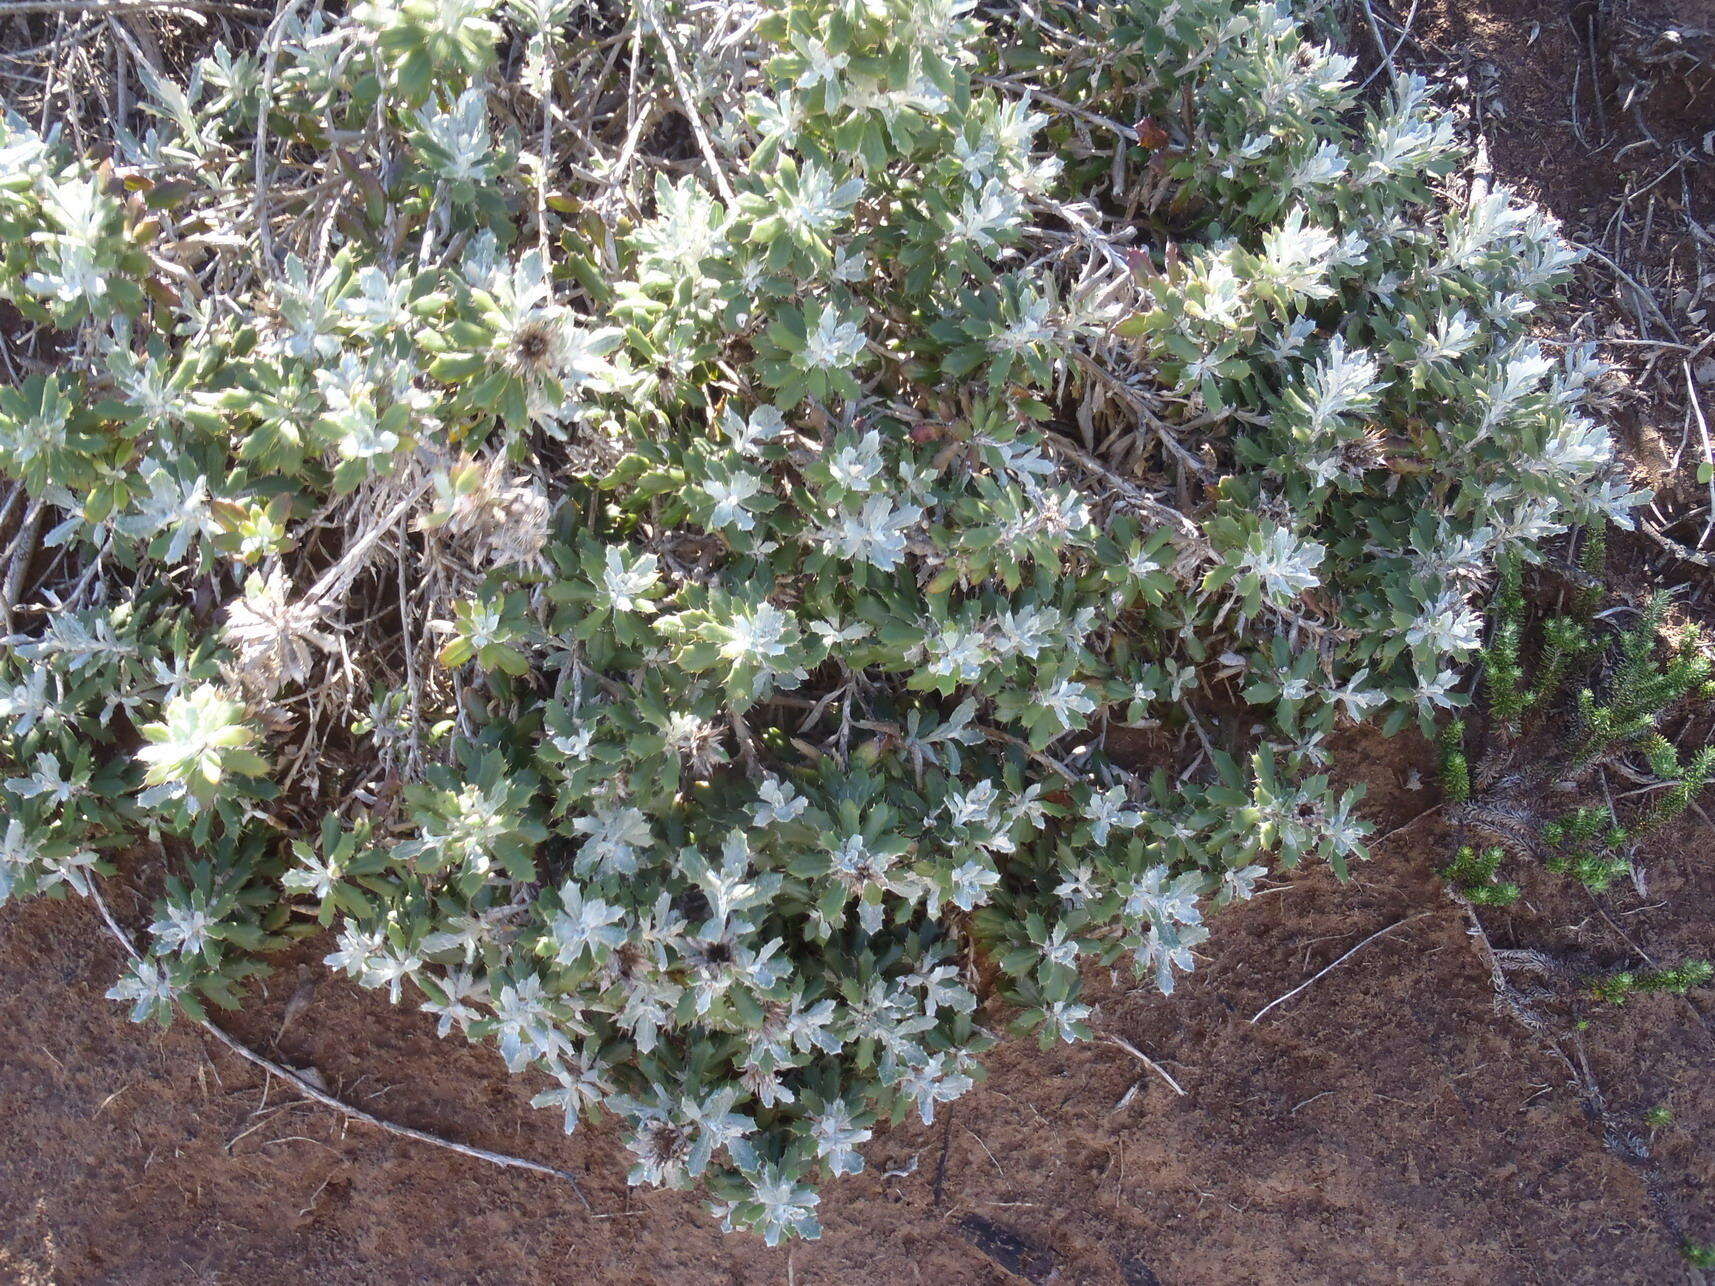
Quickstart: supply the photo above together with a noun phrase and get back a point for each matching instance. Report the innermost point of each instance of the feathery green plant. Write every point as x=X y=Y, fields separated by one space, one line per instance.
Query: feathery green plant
x=1604 y=695
x=1618 y=987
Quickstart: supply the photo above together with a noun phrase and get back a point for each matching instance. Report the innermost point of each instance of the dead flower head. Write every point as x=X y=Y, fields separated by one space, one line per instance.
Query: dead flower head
x=499 y=521
x=272 y=638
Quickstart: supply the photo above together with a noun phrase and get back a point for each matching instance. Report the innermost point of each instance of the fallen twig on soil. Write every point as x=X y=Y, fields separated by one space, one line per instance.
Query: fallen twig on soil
x=1674 y=547
x=1641 y=298
x=1406 y=825
x=1628 y=1147
x=1379 y=933
x=309 y=1091
x=392 y=1127
x=1121 y=1043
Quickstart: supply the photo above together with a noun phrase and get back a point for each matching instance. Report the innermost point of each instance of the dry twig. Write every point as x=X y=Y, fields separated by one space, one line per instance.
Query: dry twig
x=1379 y=933
x=1119 y=1042
x=310 y=1091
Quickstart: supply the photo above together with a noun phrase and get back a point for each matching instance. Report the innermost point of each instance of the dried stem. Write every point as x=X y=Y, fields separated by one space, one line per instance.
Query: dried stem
x=1119 y=1042
x=310 y=1091
x=1379 y=933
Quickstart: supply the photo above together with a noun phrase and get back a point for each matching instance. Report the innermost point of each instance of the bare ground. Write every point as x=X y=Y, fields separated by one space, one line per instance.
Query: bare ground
x=1384 y=1125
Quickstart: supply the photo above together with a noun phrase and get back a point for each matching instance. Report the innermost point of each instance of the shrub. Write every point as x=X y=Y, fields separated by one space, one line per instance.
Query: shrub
x=685 y=604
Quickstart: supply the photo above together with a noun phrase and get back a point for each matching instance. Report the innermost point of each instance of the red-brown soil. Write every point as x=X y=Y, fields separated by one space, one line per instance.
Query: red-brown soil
x=1384 y=1125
